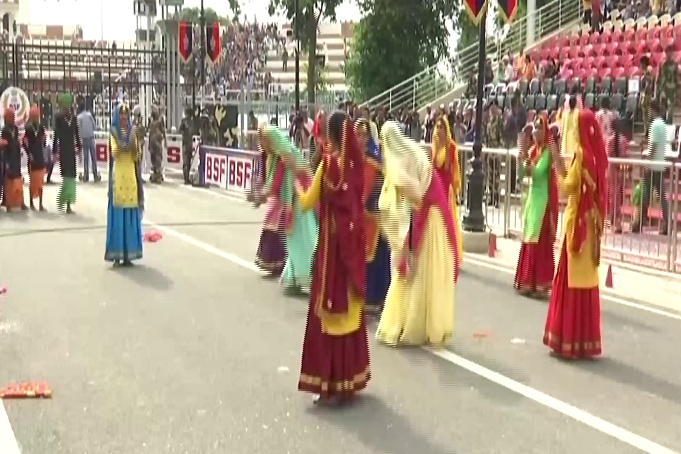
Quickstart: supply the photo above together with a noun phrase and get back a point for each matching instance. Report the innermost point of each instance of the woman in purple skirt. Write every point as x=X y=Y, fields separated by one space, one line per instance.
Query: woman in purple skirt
x=271 y=255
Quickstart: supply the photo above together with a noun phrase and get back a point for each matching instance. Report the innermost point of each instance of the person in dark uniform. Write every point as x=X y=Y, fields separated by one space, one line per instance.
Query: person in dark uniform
x=9 y=143
x=187 y=132
x=67 y=145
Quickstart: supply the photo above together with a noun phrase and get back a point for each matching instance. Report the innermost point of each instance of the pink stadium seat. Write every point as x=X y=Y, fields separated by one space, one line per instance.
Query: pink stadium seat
x=634 y=71
x=629 y=36
x=584 y=39
x=617 y=36
x=595 y=38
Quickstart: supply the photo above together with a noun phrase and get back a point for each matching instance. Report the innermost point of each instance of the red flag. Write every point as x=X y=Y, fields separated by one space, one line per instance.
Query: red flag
x=185 y=40
x=508 y=10
x=213 y=44
x=476 y=9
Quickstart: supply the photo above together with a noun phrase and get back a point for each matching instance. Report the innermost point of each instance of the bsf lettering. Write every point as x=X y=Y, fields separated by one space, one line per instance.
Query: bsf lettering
x=215 y=168
x=174 y=155
x=240 y=173
x=101 y=152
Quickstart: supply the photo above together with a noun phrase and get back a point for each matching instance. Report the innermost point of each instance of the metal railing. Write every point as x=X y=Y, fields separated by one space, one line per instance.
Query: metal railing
x=431 y=84
x=650 y=241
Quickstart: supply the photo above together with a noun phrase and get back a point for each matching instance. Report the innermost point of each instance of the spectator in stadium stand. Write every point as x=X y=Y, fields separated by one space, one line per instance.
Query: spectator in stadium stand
x=653 y=177
x=519 y=62
x=529 y=69
x=604 y=117
x=428 y=124
x=451 y=117
x=284 y=61
x=668 y=84
x=494 y=133
x=459 y=130
x=489 y=72
x=515 y=121
x=595 y=15
x=617 y=146
x=586 y=6
x=509 y=73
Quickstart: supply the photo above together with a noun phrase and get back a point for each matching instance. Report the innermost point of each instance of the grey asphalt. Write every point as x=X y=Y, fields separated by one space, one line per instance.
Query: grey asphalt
x=191 y=353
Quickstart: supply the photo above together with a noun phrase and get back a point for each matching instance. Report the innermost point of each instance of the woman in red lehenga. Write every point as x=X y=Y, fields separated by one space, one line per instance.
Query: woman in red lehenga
x=335 y=360
x=534 y=273
x=573 y=322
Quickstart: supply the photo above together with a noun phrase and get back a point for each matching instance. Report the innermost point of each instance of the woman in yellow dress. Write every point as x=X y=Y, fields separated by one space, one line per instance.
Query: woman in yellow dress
x=445 y=157
x=419 y=307
x=573 y=321
x=126 y=196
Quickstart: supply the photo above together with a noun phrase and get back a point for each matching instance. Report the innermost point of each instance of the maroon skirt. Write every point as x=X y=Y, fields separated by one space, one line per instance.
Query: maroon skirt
x=333 y=366
x=271 y=254
x=573 y=322
x=536 y=262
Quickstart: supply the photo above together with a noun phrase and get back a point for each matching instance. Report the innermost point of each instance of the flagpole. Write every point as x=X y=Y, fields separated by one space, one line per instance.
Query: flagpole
x=202 y=22
x=101 y=19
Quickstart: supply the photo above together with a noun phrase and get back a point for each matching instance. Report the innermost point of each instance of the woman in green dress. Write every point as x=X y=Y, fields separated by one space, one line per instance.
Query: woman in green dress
x=534 y=274
x=300 y=228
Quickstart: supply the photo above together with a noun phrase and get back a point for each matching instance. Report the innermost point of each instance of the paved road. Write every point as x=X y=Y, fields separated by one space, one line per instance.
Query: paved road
x=191 y=352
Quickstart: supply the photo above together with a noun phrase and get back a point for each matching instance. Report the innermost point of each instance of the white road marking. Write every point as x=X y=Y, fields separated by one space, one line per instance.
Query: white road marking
x=8 y=441
x=9 y=445
x=575 y=413
x=613 y=299
x=472 y=259
x=571 y=411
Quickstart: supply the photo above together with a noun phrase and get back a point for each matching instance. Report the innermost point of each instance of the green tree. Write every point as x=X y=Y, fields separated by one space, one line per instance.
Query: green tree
x=321 y=80
x=395 y=40
x=310 y=14
x=194 y=14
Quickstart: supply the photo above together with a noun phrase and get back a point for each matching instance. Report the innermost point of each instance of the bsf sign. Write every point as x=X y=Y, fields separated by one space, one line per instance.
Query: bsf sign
x=239 y=175
x=216 y=169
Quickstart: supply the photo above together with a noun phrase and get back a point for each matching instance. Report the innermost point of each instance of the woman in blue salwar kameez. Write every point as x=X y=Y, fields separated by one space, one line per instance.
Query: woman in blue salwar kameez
x=378 y=252
x=126 y=194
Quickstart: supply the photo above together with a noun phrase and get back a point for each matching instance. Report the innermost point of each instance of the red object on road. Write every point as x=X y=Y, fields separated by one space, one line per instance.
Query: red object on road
x=608 y=277
x=153 y=236
x=492 y=251
x=26 y=390
x=3 y=290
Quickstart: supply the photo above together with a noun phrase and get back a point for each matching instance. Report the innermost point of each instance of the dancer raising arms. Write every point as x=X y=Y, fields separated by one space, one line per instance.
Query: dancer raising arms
x=126 y=196
x=335 y=359
x=271 y=254
x=573 y=322
x=419 y=307
x=378 y=252
x=534 y=272
x=300 y=229
x=445 y=156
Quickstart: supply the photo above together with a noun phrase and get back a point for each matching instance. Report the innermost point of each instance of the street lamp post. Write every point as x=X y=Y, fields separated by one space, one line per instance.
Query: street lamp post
x=296 y=35
x=474 y=220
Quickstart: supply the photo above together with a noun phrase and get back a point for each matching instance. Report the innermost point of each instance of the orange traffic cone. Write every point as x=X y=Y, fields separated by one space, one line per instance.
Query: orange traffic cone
x=491 y=252
x=608 y=277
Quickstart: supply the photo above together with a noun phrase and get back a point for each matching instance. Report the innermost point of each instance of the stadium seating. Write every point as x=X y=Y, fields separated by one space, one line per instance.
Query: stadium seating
x=598 y=65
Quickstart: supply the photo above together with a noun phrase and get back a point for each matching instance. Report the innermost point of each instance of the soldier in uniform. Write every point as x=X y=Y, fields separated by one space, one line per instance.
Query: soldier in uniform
x=141 y=129
x=157 y=136
x=647 y=91
x=493 y=138
x=668 y=84
x=187 y=132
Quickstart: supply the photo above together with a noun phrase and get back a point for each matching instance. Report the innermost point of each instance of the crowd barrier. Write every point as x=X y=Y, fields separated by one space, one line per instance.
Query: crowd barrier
x=172 y=151
x=234 y=171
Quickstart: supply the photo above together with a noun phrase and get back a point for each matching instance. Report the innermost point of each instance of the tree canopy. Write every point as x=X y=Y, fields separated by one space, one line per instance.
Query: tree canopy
x=395 y=40
x=311 y=13
x=194 y=14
